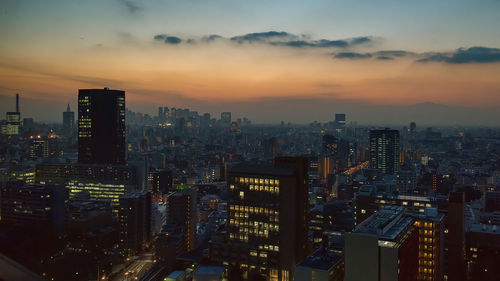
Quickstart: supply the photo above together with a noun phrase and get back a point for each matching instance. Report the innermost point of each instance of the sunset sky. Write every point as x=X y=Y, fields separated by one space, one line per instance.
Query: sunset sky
x=269 y=60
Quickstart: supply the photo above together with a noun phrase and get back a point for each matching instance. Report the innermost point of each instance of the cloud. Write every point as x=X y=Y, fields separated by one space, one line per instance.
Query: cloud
x=352 y=55
x=211 y=37
x=280 y=38
x=168 y=39
x=263 y=36
x=379 y=55
x=323 y=43
x=385 y=58
x=393 y=53
x=361 y=40
x=130 y=5
x=463 y=55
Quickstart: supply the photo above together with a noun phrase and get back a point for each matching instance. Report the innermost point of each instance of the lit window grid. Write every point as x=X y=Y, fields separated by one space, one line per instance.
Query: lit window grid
x=428 y=257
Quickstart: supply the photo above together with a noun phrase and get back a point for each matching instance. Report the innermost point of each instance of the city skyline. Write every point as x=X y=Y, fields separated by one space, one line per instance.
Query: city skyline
x=216 y=56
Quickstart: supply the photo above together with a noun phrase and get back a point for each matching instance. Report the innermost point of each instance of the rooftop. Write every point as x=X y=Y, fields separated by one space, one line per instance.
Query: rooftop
x=321 y=259
x=387 y=223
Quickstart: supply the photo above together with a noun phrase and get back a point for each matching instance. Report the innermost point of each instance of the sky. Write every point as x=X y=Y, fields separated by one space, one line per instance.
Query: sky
x=434 y=62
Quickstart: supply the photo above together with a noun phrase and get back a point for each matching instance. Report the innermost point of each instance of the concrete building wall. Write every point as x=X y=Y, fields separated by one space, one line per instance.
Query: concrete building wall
x=361 y=257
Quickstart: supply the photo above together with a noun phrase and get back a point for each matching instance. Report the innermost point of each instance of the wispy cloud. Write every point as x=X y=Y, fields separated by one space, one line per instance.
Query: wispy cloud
x=352 y=55
x=131 y=6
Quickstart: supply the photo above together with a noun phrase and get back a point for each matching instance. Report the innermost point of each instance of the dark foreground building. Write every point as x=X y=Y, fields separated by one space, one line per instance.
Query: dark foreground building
x=267 y=226
x=101 y=126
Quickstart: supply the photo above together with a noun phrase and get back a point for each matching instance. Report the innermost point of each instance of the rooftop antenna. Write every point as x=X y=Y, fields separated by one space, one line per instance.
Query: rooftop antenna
x=17 y=103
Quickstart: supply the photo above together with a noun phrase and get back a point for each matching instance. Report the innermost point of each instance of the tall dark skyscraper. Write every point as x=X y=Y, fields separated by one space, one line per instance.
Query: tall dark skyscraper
x=101 y=126
x=68 y=120
x=384 y=150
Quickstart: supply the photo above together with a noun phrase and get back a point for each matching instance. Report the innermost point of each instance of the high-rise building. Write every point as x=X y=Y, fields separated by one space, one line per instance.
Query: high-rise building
x=101 y=126
x=13 y=121
x=225 y=118
x=340 y=122
x=99 y=182
x=430 y=227
x=384 y=150
x=384 y=247
x=483 y=250
x=35 y=205
x=135 y=220
x=161 y=181
x=267 y=224
x=455 y=240
x=182 y=216
x=68 y=120
x=160 y=114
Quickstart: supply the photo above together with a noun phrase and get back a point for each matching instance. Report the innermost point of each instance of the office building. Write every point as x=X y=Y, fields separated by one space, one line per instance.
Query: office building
x=483 y=252
x=135 y=220
x=34 y=205
x=371 y=198
x=267 y=230
x=182 y=216
x=384 y=247
x=161 y=181
x=11 y=127
x=455 y=240
x=430 y=227
x=68 y=120
x=39 y=148
x=13 y=123
x=99 y=182
x=335 y=215
x=384 y=150
x=101 y=126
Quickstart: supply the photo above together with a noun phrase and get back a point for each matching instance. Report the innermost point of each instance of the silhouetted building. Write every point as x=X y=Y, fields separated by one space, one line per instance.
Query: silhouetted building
x=455 y=242
x=384 y=150
x=335 y=215
x=182 y=214
x=101 y=126
x=135 y=220
x=162 y=181
x=68 y=120
x=100 y=182
x=34 y=205
x=483 y=252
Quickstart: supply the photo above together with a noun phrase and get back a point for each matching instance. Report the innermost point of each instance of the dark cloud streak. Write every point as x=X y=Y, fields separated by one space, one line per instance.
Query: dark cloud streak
x=278 y=38
x=352 y=55
x=462 y=55
x=130 y=5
